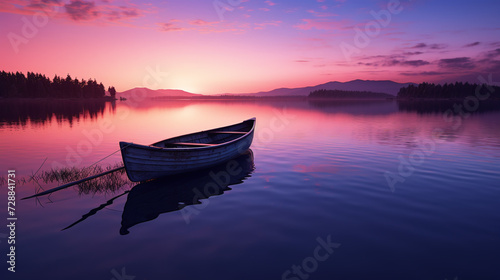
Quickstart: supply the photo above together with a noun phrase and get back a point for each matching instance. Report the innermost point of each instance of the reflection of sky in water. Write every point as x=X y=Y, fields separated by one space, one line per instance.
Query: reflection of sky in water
x=319 y=171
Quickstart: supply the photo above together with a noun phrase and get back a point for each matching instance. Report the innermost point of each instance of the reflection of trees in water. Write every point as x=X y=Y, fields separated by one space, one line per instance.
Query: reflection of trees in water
x=18 y=112
x=354 y=106
x=441 y=106
x=481 y=123
x=409 y=129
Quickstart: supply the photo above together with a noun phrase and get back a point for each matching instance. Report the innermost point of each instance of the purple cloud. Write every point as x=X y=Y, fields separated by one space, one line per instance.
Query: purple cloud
x=472 y=44
x=129 y=11
x=201 y=22
x=493 y=53
x=169 y=26
x=415 y=63
x=456 y=63
x=412 y=53
x=493 y=67
x=323 y=24
x=393 y=60
x=424 y=73
x=437 y=46
x=122 y=12
x=429 y=46
x=41 y=4
x=81 y=10
x=419 y=46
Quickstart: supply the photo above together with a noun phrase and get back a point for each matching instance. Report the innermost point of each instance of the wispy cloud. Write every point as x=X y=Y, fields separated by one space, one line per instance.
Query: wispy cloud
x=76 y=10
x=415 y=63
x=419 y=46
x=204 y=27
x=321 y=14
x=493 y=67
x=488 y=62
x=268 y=23
x=412 y=53
x=493 y=54
x=430 y=46
x=392 y=60
x=322 y=24
x=472 y=44
x=456 y=63
x=424 y=73
x=200 y=22
x=24 y=7
x=81 y=10
x=42 y=4
x=171 y=26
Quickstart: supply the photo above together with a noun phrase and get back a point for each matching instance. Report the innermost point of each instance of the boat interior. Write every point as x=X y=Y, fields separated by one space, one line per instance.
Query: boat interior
x=208 y=138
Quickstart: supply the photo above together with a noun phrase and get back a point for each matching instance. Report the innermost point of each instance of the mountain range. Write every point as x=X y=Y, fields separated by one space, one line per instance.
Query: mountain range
x=388 y=87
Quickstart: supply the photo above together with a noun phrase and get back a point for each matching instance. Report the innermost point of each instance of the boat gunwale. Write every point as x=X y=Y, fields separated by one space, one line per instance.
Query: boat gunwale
x=163 y=149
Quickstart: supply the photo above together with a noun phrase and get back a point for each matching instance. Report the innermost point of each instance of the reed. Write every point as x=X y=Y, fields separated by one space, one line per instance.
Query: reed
x=109 y=183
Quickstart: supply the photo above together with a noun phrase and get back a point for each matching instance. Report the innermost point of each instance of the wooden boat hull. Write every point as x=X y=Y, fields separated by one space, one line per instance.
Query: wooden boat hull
x=181 y=154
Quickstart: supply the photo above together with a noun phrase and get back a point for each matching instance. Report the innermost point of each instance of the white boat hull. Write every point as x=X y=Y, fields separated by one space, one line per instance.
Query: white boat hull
x=166 y=158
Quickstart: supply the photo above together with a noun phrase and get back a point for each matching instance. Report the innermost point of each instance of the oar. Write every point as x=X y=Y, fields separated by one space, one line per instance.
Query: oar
x=74 y=183
x=94 y=211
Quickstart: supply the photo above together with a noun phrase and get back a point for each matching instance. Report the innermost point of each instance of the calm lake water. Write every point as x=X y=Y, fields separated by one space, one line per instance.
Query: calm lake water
x=330 y=190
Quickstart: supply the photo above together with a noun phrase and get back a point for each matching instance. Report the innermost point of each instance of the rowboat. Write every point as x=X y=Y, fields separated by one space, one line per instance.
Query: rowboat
x=188 y=152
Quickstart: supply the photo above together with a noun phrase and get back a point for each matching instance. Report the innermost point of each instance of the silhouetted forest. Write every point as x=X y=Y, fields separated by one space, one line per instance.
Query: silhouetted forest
x=345 y=94
x=36 y=85
x=457 y=90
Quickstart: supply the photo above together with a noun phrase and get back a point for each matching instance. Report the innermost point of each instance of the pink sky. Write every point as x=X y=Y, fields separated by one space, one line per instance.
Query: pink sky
x=247 y=45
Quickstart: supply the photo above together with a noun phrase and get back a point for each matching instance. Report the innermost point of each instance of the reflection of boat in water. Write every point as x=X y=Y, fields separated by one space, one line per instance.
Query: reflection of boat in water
x=186 y=153
x=146 y=201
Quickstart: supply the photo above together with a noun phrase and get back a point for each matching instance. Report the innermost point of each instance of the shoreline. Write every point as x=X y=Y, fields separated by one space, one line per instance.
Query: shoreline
x=107 y=98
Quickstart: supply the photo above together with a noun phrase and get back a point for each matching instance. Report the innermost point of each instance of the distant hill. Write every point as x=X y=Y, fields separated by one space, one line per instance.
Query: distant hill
x=388 y=87
x=348 y=94
x=141 y=91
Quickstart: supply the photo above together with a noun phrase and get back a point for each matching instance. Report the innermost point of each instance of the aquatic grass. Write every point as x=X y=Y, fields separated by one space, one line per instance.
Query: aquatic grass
x=109 y=183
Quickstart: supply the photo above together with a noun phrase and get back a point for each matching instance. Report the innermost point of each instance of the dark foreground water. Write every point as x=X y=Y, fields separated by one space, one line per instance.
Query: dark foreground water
x=329 y=191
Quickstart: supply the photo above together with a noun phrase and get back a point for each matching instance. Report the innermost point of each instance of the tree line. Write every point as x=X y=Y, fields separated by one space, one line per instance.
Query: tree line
x=327 y=93
x=456 y=90
x=36 y=85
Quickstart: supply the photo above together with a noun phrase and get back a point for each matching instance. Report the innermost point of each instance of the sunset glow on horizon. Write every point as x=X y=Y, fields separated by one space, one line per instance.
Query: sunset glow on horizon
x=243 y=46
